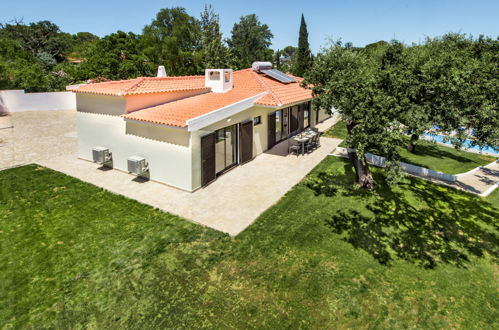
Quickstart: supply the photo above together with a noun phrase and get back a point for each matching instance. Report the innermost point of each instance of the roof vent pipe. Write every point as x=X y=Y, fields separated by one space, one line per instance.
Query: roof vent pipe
x=161 y=71
x=259 y=66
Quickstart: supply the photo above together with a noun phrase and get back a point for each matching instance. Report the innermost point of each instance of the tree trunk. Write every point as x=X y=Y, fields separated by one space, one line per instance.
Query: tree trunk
x=411 y=147
x=362 y=172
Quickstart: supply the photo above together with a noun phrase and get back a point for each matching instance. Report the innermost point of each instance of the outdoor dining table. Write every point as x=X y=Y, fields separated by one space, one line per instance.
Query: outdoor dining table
x=302 y=139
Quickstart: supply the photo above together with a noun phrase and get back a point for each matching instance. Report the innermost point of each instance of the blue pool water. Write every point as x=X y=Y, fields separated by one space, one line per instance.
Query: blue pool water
x=467 y=144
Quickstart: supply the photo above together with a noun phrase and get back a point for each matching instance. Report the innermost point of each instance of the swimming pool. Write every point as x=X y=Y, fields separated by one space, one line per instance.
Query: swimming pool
x=467 y=144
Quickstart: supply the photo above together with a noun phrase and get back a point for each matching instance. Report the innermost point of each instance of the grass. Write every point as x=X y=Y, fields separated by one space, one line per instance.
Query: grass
x=327 y=255
x=444 y=159
x=428 y=154
x=338 y=131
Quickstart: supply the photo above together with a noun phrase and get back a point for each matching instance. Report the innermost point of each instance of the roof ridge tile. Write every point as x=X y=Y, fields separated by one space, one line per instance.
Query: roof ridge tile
x=126 y=91
x=175 y=77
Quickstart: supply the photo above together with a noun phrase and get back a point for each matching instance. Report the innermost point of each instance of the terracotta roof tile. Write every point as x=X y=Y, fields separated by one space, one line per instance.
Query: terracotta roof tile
x=144 y=85
x=179 y=112
x=246 y=83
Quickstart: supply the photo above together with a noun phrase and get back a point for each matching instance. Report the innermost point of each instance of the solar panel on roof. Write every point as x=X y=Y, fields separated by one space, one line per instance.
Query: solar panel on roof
x=278 y=75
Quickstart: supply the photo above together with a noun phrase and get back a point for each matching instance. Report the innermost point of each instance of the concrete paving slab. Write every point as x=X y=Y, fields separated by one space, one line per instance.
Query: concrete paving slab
x=229 y=204
x=26 y=137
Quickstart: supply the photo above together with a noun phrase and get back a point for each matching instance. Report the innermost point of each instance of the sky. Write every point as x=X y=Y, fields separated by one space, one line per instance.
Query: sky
x=356 y=21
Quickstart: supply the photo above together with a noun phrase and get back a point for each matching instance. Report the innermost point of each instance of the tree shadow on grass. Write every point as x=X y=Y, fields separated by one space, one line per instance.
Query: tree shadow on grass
x=419 y=222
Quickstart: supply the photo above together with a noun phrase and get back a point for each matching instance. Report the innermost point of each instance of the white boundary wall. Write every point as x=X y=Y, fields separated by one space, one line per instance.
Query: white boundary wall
x=413 y=169
x=18 y=101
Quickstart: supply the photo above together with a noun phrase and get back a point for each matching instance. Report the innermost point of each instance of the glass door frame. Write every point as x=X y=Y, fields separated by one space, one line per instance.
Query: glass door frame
x=283 y=123
x=235 y=148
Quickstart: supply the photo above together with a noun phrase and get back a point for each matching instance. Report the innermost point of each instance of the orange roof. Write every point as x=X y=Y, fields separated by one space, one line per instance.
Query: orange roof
x=177 y=113
x=144 y=85
x=246 y=83
x=281 y=94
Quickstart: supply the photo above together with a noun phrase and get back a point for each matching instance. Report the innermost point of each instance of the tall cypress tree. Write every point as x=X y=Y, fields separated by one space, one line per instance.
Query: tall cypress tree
x=304 y=56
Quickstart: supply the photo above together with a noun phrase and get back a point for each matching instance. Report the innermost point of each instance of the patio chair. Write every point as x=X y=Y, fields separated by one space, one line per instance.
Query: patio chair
x=295 y=147
x=312 y=143
x=318 y=140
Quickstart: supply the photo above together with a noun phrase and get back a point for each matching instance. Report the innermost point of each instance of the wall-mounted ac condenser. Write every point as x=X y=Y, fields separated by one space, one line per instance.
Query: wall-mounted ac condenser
x=101 y=155
x=137 y=165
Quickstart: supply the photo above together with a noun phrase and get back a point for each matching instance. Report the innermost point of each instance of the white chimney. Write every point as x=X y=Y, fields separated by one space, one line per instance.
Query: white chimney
x=161 y=71
x=219 y=80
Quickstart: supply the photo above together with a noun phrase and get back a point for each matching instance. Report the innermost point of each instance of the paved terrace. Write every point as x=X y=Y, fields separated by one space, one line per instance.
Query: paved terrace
x=230 y=204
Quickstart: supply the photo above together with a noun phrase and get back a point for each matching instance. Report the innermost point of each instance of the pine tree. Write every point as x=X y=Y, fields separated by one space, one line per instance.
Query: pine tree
x=277 y=59
x=304 y=56
x=250 y=41
x=215 y=54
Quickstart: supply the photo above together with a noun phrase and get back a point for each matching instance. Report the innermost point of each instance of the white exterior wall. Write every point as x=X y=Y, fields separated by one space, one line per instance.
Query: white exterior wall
x=260 y=142
x=18 y=101
x=103 y=104
x=322 y=113
x=173 y=154
x=167 y=150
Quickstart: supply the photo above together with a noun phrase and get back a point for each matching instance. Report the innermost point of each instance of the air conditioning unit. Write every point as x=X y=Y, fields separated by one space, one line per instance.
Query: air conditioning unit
x=101 y=155
x=137 y=165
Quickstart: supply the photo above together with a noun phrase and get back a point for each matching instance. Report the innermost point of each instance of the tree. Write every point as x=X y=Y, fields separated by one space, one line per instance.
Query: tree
x=41 y=37
x=285 y=59
x=483 y=114
x=277 y=59
x=116 y=56
x=472 y=82
x=85 y=37
x=19 y=69
x=215 y=53
x=173 y=40
x=250 y=41
x=352 y=82
x=418 y=109
x=405 y=79
x=81 y=42
x=303 y=56
x=448 y=82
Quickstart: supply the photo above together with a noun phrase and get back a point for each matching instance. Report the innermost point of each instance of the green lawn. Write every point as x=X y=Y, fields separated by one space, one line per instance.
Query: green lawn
x=428 y=154
x=338 y=131
x=444 y=159
x=326 y=256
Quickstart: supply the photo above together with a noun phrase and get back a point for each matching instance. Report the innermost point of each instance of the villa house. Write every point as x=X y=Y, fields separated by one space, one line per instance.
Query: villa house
x=186 y=131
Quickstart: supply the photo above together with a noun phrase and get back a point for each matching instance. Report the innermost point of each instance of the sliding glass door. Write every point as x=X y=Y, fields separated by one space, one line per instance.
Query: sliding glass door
x=306 y=114
x=225 y=148
x=278 y=125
